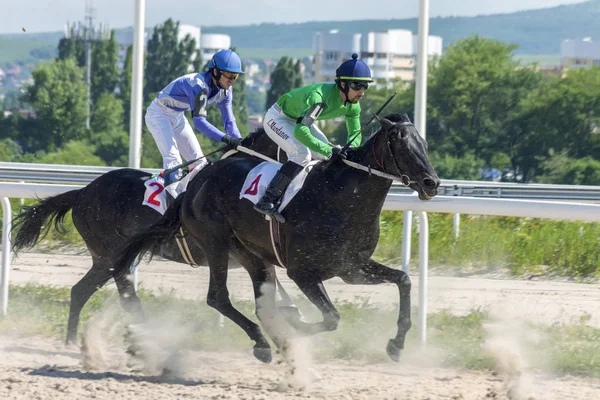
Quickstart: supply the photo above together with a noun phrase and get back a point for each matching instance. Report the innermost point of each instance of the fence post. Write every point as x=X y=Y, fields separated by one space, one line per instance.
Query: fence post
x=6 y=244
x=456 y=225
x=406 y=239
x=423 y=272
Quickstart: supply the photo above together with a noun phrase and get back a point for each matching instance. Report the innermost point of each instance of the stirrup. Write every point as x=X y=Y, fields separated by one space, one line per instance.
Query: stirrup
x=270 y=214
x=278 y=217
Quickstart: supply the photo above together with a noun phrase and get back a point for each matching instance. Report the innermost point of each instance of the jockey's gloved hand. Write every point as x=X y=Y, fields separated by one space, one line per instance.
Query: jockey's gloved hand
x=337 y=151
x=232 y=141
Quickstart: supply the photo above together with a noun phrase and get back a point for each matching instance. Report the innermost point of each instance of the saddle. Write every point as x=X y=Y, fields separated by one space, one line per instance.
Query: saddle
x=258 y=179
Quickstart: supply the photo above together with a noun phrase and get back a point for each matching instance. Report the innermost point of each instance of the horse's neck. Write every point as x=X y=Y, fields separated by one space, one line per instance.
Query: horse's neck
x=366 y=156
x=357 y=186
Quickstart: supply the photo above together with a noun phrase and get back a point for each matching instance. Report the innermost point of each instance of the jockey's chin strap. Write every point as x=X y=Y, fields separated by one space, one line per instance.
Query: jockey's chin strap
x=403 y=179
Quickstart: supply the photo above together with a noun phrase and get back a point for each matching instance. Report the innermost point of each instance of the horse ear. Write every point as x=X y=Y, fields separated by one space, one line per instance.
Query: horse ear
x=405 y=117
x=386 y=123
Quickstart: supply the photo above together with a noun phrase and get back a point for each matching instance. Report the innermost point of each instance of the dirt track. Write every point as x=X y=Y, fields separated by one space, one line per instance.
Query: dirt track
x=32 y=368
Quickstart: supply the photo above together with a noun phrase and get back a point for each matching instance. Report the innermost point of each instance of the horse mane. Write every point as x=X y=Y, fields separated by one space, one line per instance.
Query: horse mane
x=397 y=117
x=255 y=133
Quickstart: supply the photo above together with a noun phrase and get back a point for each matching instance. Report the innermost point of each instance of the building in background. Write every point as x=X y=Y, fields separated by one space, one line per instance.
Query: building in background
x=390 y=54
x=579 y=53
x=210 y=43
x=192 y=30
x=329 y=50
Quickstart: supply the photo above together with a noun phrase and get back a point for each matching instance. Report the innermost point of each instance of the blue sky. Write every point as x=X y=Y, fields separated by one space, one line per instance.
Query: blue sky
x=51 y=15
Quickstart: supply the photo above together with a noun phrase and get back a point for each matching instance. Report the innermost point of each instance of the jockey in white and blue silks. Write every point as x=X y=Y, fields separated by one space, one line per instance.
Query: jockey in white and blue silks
x=165 y=116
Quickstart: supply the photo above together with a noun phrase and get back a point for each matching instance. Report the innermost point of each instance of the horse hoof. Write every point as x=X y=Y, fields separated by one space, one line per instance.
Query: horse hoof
x=393 y=350
x=263 y=354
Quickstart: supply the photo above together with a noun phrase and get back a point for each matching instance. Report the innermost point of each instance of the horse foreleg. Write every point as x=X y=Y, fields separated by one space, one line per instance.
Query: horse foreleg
x=95 y=278
x=373 y=273
x=212 y=234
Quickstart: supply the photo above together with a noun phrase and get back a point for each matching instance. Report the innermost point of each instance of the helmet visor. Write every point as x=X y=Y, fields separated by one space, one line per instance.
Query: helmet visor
x=359 y=85
x=230 y=75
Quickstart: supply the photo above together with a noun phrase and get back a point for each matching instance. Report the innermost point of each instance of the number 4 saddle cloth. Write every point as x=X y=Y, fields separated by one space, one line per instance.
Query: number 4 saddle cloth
x=259 y=177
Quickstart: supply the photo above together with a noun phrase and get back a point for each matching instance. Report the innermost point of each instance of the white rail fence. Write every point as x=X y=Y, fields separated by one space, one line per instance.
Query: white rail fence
x=394 y=201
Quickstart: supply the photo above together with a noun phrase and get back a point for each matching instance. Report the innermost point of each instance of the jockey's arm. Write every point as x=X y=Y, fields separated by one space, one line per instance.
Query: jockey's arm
x=226 y=108
x=302 y=131
x=353 y=125
x=199 y=118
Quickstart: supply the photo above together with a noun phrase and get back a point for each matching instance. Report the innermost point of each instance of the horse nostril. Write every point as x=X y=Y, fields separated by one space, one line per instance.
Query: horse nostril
x=430 y=183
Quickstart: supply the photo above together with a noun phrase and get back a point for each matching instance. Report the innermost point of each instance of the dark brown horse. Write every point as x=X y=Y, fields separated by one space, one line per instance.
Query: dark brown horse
x=331 y=228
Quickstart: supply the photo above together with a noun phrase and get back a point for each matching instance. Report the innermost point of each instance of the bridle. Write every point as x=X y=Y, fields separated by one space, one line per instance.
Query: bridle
x=400 y=177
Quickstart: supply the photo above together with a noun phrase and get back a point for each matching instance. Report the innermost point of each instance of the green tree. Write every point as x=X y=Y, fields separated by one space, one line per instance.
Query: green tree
x=466 y=167
x=256 y=101
x=167 y=57
x=298 y=78
x=105 y=68
x=104 y=61
x=561 y=169
x=198 y=61
x=58 y=98
x=74 y=152
x=10 y=150
x=72 y=47
x=107 y=132
x=283 y=79
x=463 y=91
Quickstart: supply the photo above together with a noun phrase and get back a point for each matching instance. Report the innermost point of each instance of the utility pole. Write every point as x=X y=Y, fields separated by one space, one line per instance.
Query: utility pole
x=89 y=28
x=87 y=32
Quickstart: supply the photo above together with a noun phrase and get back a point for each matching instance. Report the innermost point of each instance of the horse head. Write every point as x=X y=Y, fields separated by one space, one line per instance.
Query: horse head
x=397 y=149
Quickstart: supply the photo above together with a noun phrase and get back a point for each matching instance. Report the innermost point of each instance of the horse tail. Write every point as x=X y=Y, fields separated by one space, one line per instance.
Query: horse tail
x=151 y=239
x=34 y=222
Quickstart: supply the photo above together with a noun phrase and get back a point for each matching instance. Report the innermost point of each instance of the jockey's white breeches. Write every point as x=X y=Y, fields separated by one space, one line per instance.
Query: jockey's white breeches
x=280 y=129
x=173 y=135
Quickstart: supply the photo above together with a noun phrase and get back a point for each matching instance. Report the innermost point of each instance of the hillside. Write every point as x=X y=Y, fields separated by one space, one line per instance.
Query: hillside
x=536 y=32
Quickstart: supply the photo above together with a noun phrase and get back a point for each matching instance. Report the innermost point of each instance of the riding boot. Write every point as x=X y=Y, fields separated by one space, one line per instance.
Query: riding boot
x=170 y=189
x=269 y=202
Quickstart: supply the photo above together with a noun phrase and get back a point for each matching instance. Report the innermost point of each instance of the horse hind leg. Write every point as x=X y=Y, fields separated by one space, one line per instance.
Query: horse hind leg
x=130 y=301
x=81 y=292
x=314 y=289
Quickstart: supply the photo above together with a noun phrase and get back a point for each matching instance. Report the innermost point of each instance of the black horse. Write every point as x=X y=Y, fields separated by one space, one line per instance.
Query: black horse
x=331 y=229
x=105 y=213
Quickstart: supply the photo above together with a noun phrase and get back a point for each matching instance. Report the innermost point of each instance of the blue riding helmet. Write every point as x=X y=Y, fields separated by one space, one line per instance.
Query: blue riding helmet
x=226 y=60
x=353 y=70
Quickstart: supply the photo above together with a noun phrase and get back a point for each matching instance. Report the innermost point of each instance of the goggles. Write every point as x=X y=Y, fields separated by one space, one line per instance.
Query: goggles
x=230 y=75
x=358 y=85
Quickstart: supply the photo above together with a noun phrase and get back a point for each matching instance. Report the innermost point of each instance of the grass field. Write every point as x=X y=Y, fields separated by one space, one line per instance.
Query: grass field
x=25 y=51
